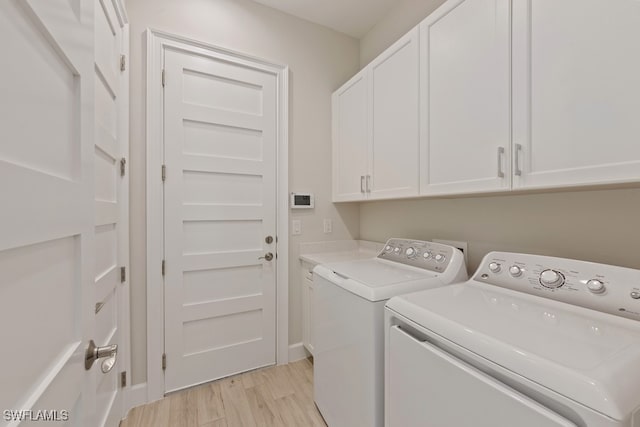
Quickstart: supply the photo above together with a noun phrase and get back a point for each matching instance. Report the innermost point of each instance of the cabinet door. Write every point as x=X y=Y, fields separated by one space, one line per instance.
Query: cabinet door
x=310 y=342
x=307 y=306
x=576 y=92
x=349 y=109
x=393 y=154
x=465 y=98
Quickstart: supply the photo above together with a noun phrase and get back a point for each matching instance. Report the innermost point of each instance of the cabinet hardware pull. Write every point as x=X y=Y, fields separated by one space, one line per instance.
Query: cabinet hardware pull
x=362 y=183
x=500 y=153
x=518 y=171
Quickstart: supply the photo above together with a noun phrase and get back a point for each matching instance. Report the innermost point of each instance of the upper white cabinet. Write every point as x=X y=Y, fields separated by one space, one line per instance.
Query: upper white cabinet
x=576 y=92
x=376 y=127
x=394 y=143
x=465 y=98
x=494 y=95
x=350 y=142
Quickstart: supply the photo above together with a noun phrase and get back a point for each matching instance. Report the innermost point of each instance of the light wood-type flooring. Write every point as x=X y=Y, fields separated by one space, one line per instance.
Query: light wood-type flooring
x=274 y=396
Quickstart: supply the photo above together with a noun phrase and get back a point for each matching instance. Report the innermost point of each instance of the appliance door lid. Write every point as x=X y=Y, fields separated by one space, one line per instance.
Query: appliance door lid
x=376 y=279
x=588 y=356
x=429 y=384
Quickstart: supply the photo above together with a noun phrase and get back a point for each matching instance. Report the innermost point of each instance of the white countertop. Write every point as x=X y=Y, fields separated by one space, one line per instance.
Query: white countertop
x=341 y=250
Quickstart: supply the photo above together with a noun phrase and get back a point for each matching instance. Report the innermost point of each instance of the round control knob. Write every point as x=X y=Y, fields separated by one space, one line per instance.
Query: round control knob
x=595 y=286
x=551 y=279
x=410 y=252
x=494 y=267
x=388 y=248
x=439 y=258
x=426 y=255
x=396 y=250
x=515 y=271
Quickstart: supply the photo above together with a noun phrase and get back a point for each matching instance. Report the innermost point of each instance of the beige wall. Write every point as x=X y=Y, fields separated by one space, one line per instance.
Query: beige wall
x=396 y=23
x=320 y=60
x=600 y=226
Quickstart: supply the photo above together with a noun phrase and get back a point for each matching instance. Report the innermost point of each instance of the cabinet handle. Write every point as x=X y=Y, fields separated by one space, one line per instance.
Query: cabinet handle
x=518 y=171
x=500 y=154
x=362 y=183
x=368 y=183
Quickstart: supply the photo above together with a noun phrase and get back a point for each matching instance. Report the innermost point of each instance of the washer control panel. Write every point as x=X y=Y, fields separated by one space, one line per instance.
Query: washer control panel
x=606 y=288
x=418 y=253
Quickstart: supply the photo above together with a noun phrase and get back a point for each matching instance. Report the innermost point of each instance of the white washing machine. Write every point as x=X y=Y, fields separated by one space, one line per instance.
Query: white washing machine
x=529 y=341
x=349 y=298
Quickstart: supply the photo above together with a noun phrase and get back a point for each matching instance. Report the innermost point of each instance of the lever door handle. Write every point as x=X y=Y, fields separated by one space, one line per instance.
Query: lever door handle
x=94 y=353
x=268 y=256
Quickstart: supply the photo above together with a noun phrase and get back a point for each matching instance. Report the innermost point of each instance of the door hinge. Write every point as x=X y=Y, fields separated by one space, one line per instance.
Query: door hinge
x=163 y=267
x=164 y=361
x=123 y=379
x=164 y=172
x=123 y=62
x=163 y=78
x=123 y=164
x=123 y=274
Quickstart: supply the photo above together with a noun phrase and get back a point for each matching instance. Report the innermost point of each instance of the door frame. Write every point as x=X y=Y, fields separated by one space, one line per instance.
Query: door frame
x=156 y=43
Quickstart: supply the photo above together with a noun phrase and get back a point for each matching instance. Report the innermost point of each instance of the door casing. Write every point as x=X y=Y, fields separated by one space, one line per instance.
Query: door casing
x=156 y=43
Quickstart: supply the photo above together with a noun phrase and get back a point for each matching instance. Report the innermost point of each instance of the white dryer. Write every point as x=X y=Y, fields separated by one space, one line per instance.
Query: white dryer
x=529 y=341
x=349 y=298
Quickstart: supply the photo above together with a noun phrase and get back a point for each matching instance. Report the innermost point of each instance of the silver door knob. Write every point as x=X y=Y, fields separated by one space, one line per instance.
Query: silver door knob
x=94 y=353
x=268 y=256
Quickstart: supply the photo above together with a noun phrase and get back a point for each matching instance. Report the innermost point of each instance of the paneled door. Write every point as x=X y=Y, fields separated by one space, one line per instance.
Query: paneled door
x=394 y=142
x=47 y=213
x=220 y=218
x=576 y=92
x=465 y=98
x=350 y=139
x=111 y=201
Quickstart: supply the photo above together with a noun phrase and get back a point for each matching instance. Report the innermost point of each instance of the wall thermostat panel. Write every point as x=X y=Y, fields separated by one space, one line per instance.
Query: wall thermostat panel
x=301 y=201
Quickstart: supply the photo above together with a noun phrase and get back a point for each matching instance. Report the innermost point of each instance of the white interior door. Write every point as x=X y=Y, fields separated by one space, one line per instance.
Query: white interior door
x=465 y=97
x=111 y=204
x=47 y=214
x=220 y=206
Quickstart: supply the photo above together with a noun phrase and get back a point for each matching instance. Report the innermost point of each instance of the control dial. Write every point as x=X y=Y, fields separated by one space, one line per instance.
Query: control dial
x=426 y=255
x=551 y=279
x=439 y=258
x=515 y=271
x=410 y=252
x=595 y=286
x=388 y=248
x=494 y=267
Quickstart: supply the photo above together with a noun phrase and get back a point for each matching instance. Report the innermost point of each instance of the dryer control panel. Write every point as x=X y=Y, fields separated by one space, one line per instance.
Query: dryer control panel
x=418 y=253
x=602 y=287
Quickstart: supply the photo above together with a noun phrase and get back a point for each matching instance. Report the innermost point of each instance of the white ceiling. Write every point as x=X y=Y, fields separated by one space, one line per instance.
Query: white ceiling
x=352 y=17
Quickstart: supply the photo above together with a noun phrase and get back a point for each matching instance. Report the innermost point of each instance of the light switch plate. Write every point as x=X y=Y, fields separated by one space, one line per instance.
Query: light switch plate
x=296 y=227
x=328 y=225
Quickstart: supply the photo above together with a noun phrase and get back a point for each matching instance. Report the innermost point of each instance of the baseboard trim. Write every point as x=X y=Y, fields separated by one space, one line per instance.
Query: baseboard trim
x=297 y=352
